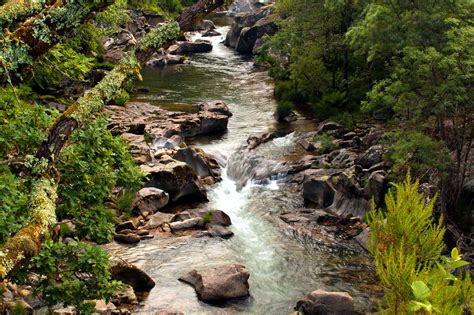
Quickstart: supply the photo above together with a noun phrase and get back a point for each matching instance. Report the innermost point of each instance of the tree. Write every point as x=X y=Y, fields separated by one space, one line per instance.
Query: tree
x=311 y=52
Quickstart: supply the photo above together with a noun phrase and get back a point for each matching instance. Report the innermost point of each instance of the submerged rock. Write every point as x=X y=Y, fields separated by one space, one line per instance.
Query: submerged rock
x=321 y=302
x=219 y=283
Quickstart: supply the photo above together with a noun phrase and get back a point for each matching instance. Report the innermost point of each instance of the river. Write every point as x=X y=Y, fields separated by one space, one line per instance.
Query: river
x=282 y=268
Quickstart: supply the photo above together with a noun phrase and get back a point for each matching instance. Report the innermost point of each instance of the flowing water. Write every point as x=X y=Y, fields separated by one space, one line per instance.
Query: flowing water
x=282 y=269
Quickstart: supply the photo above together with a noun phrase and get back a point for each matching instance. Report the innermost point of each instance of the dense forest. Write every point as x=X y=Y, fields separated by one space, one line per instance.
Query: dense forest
x=82 y=161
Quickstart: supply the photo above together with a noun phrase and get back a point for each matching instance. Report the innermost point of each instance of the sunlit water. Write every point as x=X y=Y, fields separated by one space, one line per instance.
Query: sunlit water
x=282 y=269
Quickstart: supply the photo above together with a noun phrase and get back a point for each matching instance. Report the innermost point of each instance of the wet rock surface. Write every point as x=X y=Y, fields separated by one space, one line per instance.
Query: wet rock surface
x=249 y=28
x=323 y=302
x=131 y=275
x=219 y=283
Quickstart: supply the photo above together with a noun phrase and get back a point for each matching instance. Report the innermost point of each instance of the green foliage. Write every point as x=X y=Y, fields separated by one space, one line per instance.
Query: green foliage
x=284 y=108
x=19 y=309
x=23 y=124
x=159 y=36
x=310 y=51
x=125 y=200
x=60 y=65
x=90 y=169
x=113 y=17
x=121 y=98
x=419 y=153
x=73 y=273
x=13 y=208
x=407 y=244
x=327 y=143
x=207 y=218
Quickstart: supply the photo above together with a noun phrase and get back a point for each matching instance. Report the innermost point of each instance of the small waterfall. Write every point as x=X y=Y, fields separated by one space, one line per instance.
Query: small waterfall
x=256 y=165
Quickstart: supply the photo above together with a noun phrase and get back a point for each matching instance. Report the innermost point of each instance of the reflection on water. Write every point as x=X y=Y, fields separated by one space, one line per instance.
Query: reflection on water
x=282 y=269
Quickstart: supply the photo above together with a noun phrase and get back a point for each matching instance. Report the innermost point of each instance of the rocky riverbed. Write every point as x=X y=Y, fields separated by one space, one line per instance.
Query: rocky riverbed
x=253 y=214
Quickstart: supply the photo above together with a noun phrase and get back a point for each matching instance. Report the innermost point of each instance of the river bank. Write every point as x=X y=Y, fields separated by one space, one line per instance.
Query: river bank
x=283 y=268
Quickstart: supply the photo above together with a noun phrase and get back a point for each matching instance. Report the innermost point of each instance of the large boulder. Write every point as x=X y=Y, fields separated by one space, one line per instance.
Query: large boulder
x=198 y=46
x=219 y=283
x=245 y=20
x=150 y=199
x=372 y=156
x=216 y=217
x=177 y=178
x=250 y=35
x=376 y=187
x=322 y=302
x=336 y=190
x=217 y=106
x=204 y=25
x=319 y=189
x=193 y=158
x=131 y=275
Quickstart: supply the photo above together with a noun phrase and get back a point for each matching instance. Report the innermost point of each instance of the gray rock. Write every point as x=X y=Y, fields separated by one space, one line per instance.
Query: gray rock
x=158 y=219
x=127 y=238
x=219 y=107
x=204 y=25
x=131 y=275
x=198 y=46
x=219 y=231
x=211 y=33
x=150 y=199
x=127 y=225
x=372 y=156
x=319 y=189
x=192 y=157
x=164 y=60
x=322 y=302
x=376 y=187
x=364 y=239
x=219 y=283
x=216 y=217
x=187 y=224
x=177 y=178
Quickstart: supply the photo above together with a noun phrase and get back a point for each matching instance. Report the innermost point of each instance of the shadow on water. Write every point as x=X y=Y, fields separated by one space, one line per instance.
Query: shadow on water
x=282 y=269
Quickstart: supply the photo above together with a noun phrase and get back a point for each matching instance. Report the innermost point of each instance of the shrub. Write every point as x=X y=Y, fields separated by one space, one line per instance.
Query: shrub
x=284 y=108
x=13 y=208
x=59 y=65
x=121 y=98
x=407 y=243
x=91 y=167
x=73 y=273
x=418 y=153
x=326 y=141
x=23 y=125
x=125 y=200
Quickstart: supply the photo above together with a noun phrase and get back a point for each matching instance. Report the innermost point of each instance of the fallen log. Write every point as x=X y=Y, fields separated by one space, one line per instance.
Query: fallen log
x=27 y=242
x=197 y=12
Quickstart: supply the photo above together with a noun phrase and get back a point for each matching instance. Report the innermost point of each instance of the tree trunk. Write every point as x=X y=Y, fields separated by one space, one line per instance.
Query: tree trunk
x=196 y=12
x=27 y=242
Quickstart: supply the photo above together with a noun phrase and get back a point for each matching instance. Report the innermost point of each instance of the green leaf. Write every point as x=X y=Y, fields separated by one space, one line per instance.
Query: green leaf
x=420 y=290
